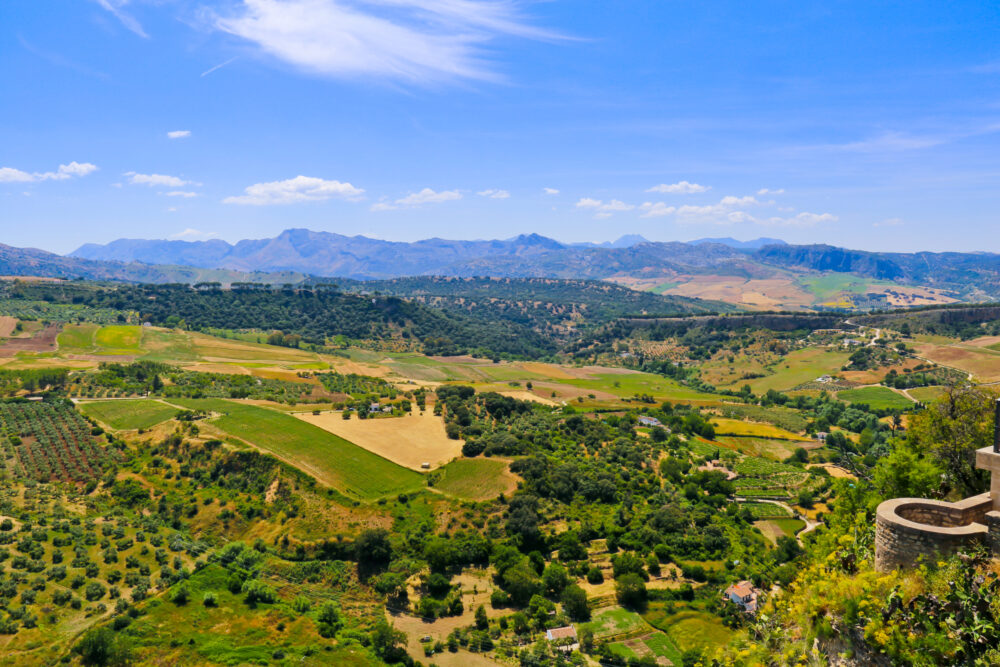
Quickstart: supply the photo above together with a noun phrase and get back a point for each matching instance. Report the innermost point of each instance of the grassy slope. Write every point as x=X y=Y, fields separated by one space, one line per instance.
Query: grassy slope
x=128 y=415
x=474 y=479
x=876 y=397
x=327 y=457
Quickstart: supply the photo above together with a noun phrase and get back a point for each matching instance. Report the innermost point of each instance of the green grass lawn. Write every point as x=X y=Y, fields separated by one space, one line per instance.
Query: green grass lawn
x=473 y=479
x=878 y=398
x=662 y=646
x=77 y=338
x=614 y=621
x=697 y=629
x=130 y=414
x=789 y=526
x=118 y=339
x=329 y=458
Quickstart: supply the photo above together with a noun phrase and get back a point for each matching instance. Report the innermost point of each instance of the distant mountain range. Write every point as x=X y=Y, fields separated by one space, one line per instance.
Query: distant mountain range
x=363 y=258
x=296 y=254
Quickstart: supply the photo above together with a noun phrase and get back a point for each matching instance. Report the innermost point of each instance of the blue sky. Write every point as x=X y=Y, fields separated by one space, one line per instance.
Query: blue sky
x=866 y=124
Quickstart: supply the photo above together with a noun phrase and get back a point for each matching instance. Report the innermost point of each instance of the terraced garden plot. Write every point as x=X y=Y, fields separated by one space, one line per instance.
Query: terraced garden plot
x=329 y=458
x=754 y=466
x=782 y=417
x=766 y=510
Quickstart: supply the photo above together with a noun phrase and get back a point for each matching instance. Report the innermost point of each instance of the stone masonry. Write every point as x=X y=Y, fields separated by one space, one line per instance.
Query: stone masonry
x=910 y=530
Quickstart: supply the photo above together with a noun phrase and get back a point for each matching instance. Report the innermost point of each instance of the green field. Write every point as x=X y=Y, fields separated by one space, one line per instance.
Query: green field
x=474 y=479
x=697 y=629
x=130 y=414
x=766 y=510
x=831 y=286
x=926 y=394
x=798 y=367
x=878 y=398
x=627 y=385
x=330 y=459
x=789 y=526
x=118 y=339
x=614 y=621
x=77 y=338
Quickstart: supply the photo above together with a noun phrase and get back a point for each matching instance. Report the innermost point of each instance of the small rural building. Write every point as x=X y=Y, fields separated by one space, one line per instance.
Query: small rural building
x=743 y=594
x=374 y=407
x=821 y=436
x=824 y=379
x=649 y=421
x=565 y=636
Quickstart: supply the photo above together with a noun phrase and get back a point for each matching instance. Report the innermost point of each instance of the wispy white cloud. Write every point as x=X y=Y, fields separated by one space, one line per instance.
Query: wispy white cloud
x=182 y=194
x=656 y=209
x=494 y=194
x=425 y=196
x=296 y=190
x=190 y=234
x=680 y=188
x=115 y=7
x=550 y=191
x=603 y=209
x=157 y=180
x=178 y=134
x=803 y=219
x=409 y=40
x=768 y=191
x=65 y=172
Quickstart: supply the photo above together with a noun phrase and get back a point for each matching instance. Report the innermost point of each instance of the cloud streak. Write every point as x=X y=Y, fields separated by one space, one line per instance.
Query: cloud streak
x=157 y=180
x=115 y=7
x=65 y=172
x=415 y=41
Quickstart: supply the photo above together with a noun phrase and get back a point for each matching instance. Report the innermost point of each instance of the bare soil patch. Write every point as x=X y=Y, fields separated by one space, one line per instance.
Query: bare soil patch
x=409 y=441
x=43 y=341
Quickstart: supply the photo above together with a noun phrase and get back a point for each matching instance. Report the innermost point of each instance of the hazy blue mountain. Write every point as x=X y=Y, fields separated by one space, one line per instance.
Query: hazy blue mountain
x=326 y=254
x=625 y=241
x=755 y=244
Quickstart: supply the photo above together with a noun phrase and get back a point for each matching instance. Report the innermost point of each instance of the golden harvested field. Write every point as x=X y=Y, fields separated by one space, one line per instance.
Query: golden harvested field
x=528 y=396
x=224 y=349
x=754 y=429
x=834 y=470
x=7 y=325
x=409 y=441
x=765 y=294
x=982 y=363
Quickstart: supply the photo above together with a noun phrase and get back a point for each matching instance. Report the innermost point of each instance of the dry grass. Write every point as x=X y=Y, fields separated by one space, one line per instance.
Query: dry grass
x=7 y=325
x=983 y=363
x=409 y=441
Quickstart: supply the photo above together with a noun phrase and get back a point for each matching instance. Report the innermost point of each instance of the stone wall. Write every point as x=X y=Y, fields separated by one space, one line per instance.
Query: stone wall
x=910 y=529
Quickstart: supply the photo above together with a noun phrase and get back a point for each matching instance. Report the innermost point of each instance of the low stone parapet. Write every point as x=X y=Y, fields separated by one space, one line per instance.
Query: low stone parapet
x=910 y=529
